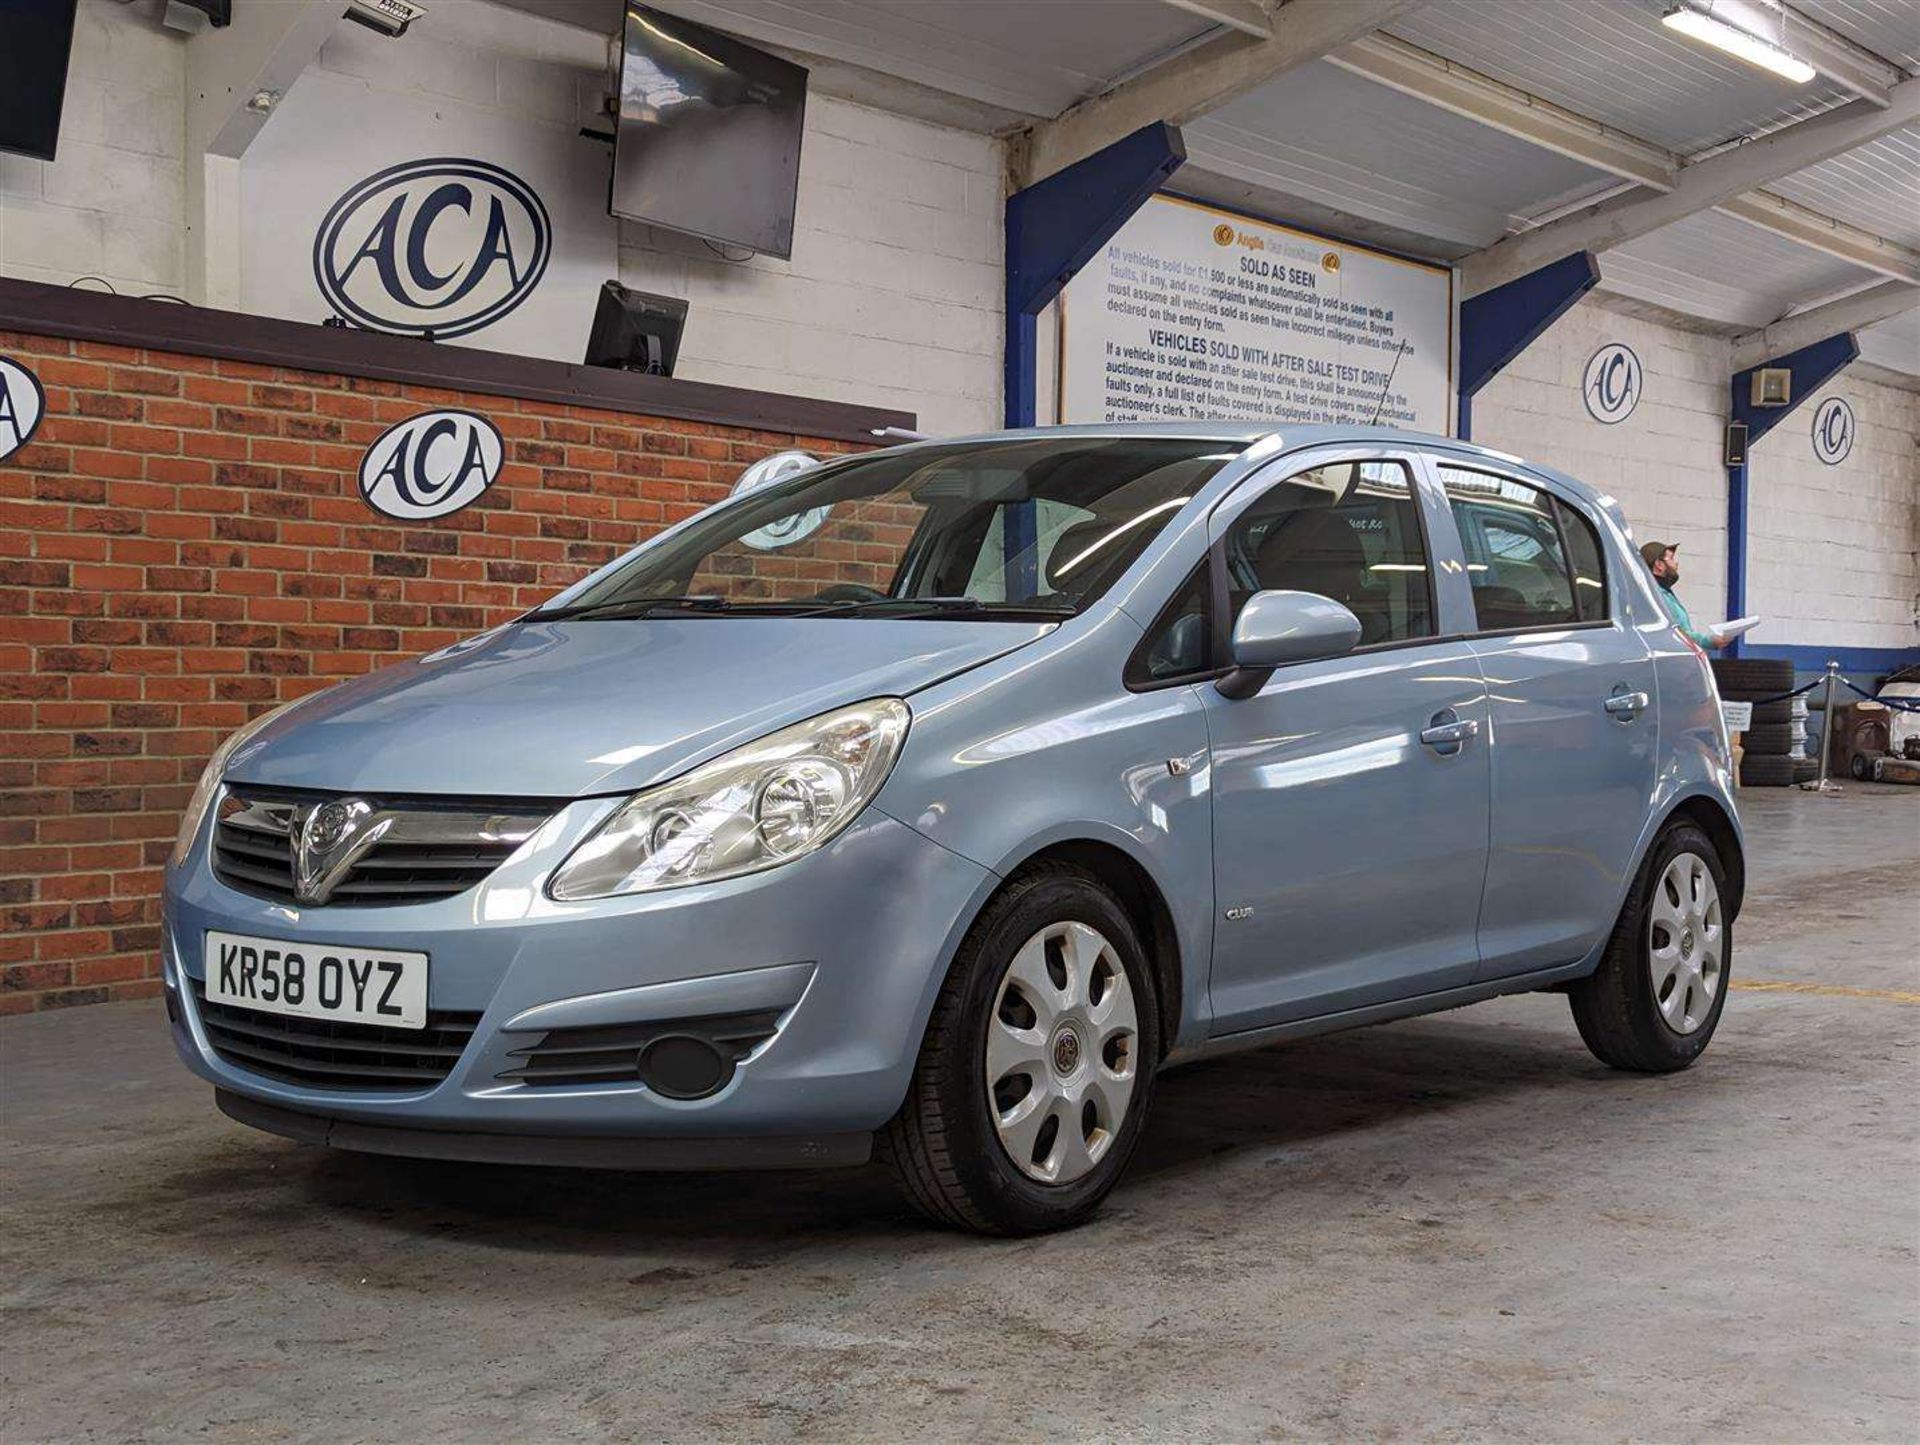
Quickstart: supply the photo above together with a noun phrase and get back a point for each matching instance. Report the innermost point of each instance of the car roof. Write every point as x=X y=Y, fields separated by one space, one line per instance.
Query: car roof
x=1290 y=437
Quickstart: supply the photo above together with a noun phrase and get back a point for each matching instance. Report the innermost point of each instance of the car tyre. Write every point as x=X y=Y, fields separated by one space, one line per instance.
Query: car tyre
x=949 y=1148
x=1626 y=1009
x=1766 y=770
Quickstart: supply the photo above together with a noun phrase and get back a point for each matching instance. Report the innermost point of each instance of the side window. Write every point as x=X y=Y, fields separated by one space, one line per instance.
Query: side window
x=1349 y=531
x=1178 y=644
x=1515 y=559
x=1589 y=563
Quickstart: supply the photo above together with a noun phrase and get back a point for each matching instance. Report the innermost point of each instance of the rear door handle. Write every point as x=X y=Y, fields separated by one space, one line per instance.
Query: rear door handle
x=1627 y=705
x=1448 y=731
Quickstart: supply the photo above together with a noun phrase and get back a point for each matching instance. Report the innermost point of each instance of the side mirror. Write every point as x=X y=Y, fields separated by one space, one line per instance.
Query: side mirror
x=1279 y=627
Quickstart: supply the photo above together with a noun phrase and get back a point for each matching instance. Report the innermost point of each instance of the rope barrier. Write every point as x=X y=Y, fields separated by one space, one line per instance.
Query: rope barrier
x=1895 y=703
x=1783 y=696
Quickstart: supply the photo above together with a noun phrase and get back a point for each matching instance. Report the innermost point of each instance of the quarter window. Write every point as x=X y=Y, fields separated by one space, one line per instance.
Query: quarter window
x=1349 y=531
x=1517 y=559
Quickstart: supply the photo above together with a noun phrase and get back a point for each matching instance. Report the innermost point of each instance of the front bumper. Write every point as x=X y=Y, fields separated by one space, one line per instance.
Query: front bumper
x=847 y=945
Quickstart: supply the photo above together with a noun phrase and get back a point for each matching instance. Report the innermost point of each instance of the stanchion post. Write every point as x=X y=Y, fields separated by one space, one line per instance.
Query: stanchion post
x=1826 y=731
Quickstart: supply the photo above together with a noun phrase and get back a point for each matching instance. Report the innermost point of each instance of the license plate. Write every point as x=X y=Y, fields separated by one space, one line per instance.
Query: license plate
x=318 y=980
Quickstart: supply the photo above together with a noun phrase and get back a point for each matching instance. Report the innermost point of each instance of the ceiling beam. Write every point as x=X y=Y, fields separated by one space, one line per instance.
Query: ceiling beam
x=1247 y=16
x=1453 y=87
x=1877 y=303
x=1450 y=86
x=1823 y=233
x=1200 y=80
x=1867 y=75
x=1702 y=185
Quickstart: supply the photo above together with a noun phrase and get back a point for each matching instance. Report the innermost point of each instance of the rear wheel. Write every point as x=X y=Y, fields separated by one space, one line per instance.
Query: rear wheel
x=1656 y=998
x=1037 y=1068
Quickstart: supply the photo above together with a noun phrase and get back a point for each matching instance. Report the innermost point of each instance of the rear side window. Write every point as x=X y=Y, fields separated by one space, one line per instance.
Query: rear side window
x=1349 y=531
x=1517 y=559
x=1589 y=564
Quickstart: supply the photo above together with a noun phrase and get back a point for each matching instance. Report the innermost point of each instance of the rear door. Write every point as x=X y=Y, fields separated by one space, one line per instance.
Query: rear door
x=1571 y=696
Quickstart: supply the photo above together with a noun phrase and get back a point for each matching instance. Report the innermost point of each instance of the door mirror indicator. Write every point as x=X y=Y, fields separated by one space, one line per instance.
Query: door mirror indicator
x=1279 y=627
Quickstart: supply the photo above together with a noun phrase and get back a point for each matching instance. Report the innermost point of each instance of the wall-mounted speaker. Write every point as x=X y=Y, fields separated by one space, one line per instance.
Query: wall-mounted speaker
x=1772 y=386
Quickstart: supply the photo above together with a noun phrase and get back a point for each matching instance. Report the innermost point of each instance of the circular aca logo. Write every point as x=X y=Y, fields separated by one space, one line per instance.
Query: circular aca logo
x=1833 y=427
x=22 y=403
x=431 y=465
x=787 y=530
x=1611 y=385
x=1223 y=234
x=445 y=246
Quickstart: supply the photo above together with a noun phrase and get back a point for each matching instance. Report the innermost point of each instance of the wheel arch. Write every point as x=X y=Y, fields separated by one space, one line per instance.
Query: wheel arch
x=1140 y=894
x=1706 y=813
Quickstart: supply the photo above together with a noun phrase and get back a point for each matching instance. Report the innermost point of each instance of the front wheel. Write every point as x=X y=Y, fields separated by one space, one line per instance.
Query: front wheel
x=1656 y=998
x=1037 y=1067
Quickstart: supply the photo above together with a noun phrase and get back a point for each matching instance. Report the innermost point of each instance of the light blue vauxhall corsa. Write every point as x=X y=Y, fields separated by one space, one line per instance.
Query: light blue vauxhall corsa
x=934 y=799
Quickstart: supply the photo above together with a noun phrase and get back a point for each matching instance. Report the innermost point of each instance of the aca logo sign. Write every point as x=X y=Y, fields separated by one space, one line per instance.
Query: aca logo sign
x=443 y=246
x=1833 y=431
x=1611 y=385
x=431 y=465
x=22 y=404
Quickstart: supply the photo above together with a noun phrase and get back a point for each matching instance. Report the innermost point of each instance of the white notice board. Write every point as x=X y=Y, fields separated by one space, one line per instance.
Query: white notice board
x=1191 y=312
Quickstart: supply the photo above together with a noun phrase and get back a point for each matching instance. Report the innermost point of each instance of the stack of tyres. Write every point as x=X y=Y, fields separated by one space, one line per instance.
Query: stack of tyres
x=1774 y=747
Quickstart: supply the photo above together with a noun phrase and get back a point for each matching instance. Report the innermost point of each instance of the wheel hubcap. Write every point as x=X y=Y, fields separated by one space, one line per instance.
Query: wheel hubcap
x=1685 y=943
x=1061 y=1053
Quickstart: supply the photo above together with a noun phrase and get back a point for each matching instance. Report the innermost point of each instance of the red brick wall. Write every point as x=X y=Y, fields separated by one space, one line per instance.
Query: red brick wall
x=184 y=545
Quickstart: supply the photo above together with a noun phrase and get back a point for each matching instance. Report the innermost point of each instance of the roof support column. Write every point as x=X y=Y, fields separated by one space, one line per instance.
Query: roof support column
x=1497 y=325
x=1055 y=226
x=1812 y=367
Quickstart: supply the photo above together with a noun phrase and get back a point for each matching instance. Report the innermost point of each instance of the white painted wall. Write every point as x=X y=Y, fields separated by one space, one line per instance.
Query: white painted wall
x=1663 y=462
x=1832 y=550
x=111 y=205
x=892 y=296
x=894 y=293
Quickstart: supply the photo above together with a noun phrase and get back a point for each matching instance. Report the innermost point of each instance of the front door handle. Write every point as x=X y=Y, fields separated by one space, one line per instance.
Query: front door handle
x=1627 y=705
x=1448 y=731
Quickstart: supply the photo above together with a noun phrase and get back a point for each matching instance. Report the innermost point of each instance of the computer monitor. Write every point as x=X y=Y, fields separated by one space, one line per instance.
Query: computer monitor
x=708 y=136
x=36 y=38
x=636 y=331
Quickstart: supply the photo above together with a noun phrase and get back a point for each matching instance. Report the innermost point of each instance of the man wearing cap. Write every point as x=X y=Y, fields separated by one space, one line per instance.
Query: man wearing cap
x=1662 y=559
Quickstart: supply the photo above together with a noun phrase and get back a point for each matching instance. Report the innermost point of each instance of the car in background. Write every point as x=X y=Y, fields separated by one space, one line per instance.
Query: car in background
x=931 y=801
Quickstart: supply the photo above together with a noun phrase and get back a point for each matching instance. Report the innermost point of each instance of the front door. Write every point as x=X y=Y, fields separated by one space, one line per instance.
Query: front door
x=1574 y=723
x=1350 y=815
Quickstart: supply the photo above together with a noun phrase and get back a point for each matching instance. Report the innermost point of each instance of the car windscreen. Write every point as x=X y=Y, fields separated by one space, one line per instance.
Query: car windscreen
x=1008 y=529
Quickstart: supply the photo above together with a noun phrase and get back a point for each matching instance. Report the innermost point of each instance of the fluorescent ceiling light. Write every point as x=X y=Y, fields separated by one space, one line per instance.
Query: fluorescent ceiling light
x=1735 y=41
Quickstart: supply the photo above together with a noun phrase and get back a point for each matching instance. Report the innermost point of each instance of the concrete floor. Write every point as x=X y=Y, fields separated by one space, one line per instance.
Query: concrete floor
x=1454 y=1227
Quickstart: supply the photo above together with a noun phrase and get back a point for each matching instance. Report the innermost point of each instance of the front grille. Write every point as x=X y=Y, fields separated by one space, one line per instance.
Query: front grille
x=420 y=850
x=613 y=1053
x=327 y=1055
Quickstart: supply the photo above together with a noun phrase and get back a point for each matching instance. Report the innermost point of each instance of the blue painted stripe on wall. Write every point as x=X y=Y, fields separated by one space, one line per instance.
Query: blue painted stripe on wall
x=1851 y=659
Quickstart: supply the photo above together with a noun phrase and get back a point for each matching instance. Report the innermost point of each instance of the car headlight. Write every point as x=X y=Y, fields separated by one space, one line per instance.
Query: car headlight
x=209 y=784
x=757 y=806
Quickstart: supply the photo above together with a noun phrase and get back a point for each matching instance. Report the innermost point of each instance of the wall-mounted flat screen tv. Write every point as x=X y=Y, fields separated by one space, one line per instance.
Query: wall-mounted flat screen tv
x=708 y=140
x=36 y=37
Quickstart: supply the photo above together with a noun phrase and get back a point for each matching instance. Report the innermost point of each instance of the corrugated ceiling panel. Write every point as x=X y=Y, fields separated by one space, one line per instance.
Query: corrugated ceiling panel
x=1894 y=343
x=1612 y=60
x=1889 y=28
x=1876 y=187
x=1763 y=264
x=1441 y=169
x=1027 y=56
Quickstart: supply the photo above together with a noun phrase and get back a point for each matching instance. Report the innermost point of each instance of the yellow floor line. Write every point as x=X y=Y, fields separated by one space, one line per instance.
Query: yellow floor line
x=1826 y=990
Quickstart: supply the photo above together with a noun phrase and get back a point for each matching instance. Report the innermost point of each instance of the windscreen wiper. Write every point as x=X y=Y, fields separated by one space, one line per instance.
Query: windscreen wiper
x=950 y=606
x=641 y=607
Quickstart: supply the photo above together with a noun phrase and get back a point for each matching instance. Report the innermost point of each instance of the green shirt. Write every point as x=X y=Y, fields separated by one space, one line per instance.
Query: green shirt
x=1677 y=610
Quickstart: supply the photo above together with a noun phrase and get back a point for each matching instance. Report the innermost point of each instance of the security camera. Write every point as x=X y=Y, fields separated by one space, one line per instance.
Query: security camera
x=389 y=17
